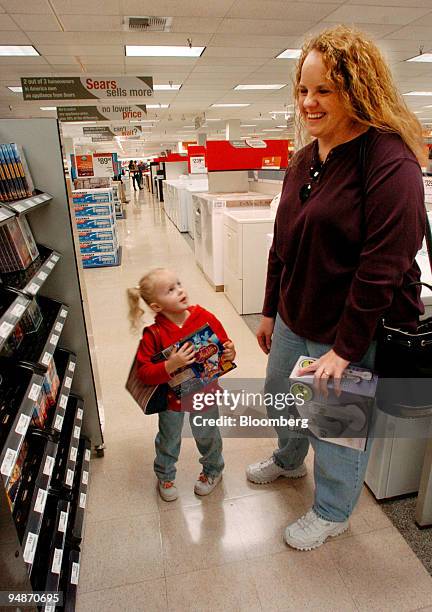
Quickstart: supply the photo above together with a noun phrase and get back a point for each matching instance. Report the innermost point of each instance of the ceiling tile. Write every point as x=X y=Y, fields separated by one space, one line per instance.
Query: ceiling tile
x=23 y=61
x=90 y=23
x=6 y=23
x=163 y=38
x=261 y=52
x=392 y=3
x=95 y=60
x=84 y=7
x=41 y=23
x=14 y=38
x=174 y=8
x=76 y=49
x=265 y=27
x=163 y=61
x=193 y=25
x=38 y=7
x=416 y=33
x=62 y=60
x=279 y=9
x=426 y=20
x=375 y=14
x=374 y=30
x=245 y=40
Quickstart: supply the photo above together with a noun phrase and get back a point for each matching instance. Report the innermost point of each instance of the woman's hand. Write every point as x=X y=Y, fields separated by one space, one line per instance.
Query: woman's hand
x=264 y=333
x=229 y=352
x=328 y=366
x=180 y=357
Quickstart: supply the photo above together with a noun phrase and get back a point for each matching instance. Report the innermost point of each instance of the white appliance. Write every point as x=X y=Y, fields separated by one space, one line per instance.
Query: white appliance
x=197 y=186
x=197 y=223
x=177 y=202
x=245 y=257
x=213 y=206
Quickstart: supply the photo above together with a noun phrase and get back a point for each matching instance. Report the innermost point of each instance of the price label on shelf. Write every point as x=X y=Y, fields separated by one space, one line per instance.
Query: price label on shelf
x=58 y=327
x=68 y=382
x=40 y=501
x=82 y=502
x=5 y=329
x=54 y=339
x=84 y=479
x=37 y=200
x=72 y=366
x=79 y=414
x=63 y=401
x=58 y=422
x=8 y=462
x=75 y=573
x=33 y=288
x=69 y=478
x=55 y=258
x=49 y=465
x=57 y=560
x=22 y=425
x=87 y=455
x=73 y=453
x=30 y=547
x=49 y=608
x=63 y=521
x=42 y=275
x=19 y=207
x=63 y=312
x=18 y=310
x=34 y=392
x=50 y=264
x=77 y=431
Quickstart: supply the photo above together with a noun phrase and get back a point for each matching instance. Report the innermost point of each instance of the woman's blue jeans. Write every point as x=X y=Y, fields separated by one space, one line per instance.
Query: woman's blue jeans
x=339 y=471
x=168 y=442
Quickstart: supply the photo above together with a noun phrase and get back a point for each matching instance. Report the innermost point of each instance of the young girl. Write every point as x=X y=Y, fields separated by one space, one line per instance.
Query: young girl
x=164 y=294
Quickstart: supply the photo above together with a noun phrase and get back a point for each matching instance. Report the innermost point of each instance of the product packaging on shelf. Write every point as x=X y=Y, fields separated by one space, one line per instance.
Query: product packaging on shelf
x=51 y=383
x=96 y=260
x=15 y=478
x=95 y=223
x=92 y=196
x=94 y=210
x=40 y=409
x=99 y=235
x=98 y=247
x=32 y=318
x=15 y=178
x=17 y=245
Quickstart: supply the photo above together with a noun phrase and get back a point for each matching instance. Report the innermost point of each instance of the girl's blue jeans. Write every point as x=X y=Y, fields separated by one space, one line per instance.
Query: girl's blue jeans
x=339 y=471
x=168 y=442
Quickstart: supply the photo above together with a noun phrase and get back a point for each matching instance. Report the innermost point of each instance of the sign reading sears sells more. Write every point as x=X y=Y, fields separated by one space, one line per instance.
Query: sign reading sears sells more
x=77 y=88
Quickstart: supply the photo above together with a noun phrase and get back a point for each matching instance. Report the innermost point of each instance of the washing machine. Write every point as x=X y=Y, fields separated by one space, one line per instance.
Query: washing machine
x=197 y=224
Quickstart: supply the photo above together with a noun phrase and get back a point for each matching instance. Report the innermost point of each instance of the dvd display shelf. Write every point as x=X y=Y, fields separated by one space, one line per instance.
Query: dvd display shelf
x=49 y=417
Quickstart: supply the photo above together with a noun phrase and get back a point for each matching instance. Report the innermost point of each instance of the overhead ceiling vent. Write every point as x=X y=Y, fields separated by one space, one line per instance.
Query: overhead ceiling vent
x=148 y=24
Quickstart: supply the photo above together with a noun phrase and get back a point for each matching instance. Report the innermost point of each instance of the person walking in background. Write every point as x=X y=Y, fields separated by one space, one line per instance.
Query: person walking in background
x=348 y=227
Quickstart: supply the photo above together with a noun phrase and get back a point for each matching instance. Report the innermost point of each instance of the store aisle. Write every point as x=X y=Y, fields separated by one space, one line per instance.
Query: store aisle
x=224 y=552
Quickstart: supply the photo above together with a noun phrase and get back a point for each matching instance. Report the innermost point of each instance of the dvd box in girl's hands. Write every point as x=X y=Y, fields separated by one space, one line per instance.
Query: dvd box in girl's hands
x=208 y=366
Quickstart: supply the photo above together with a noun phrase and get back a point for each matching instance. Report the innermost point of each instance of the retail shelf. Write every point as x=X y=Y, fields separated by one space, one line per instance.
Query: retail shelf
x=28 y=204
x=29 y=281
x=5 y=215
x=13 y=305
x=38 y=348
x=64 y=469
x=65 y=363
x=57 y=548
x=75 y=533
x=71 y=572
x=21 y=413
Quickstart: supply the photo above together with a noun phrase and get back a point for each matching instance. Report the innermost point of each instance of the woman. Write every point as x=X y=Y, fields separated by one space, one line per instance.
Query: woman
x=350 y=222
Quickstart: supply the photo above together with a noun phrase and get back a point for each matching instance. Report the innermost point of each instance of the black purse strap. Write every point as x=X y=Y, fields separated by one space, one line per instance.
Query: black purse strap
x=428 y=232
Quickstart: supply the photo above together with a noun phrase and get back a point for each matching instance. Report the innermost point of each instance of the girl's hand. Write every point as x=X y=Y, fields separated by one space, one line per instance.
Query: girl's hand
x=180 y=357
x=229 y=351
x=328 y=366
x=264 y=333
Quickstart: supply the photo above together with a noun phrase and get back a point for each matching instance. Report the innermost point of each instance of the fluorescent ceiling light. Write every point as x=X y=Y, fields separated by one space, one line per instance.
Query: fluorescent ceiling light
x=418 y=93
x=271 y=130
x=162 y=51
x=284 y=112
x=207 y=119
x=228 y=106
x=269 y=86
x=289 y=54
x=247 y=125
x=17 y=89
x=167 y=87
x=423 y=57
x=157 y=105
x=189 y=126
x=49 y=108
x=18 y=50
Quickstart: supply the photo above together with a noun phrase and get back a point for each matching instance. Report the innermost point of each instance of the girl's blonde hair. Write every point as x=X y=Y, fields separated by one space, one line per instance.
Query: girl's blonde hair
x=359 y=72
x=145 y=291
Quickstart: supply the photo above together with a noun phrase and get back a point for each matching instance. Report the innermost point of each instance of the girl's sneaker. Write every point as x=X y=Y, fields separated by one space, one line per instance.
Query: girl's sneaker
x=167 y=490
x=205 y=483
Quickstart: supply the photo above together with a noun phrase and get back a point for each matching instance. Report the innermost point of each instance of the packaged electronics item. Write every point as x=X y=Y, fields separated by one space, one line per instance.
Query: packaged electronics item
x=32 y=318
x=51 y=383
x=40 y=409
x=91 y=182
x=92 y=196
x=17 y=245
x=98 y=247
x=102 y=235
x=15 y=178
x=97 y=260
x=342 y=419
x=90 y=223
x=16 y=477
x=14 y=340
x=96 y=210
x=208 y=366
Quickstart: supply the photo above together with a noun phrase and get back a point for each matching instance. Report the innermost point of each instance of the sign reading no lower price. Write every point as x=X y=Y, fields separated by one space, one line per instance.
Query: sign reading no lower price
x=101 y=113
x=77 y=88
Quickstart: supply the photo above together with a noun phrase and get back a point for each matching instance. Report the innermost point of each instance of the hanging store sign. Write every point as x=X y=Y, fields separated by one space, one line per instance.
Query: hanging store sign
x=255 y=143
x=97 y=131
x=126 y=130
x=101 y=113
x=77 y=88
x=238 y=144
x=102 y=138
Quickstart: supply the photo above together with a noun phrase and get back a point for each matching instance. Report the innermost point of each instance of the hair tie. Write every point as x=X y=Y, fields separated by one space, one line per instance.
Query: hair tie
x=137 y=287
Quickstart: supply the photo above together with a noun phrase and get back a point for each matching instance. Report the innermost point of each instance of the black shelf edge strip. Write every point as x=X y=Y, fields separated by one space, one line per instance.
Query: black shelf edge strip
x=72 y=581
x=28 y=204
x=37 y=508
x=19 y=428
x=73 y=444
x=63 y=395
x=12 y=316
x=77 y=529
x=54 y=336
x=34 y=284
x=57 y=547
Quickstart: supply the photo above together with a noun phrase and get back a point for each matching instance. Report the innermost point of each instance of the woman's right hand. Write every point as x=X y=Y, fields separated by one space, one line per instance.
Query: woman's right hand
x=264 y=333
x=181 y=357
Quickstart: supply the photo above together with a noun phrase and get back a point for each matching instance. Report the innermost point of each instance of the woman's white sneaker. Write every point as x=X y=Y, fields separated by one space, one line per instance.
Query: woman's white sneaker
x=268 y=471
x=205 y=483
x=310 y=531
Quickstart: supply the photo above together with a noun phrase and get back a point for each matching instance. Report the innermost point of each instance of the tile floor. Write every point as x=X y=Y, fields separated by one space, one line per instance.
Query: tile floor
x=224 y=552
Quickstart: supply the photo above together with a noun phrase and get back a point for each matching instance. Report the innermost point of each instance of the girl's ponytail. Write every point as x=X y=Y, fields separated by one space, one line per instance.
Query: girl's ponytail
x=144 y=291
x=135 y=311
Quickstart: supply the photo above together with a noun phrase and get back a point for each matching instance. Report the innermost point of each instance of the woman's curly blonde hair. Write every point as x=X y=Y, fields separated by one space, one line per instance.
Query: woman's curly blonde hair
x=357 y=69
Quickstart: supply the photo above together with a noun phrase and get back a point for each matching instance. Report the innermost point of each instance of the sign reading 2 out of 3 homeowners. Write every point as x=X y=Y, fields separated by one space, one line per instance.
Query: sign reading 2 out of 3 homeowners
x=77 y=88
x=118 y=112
